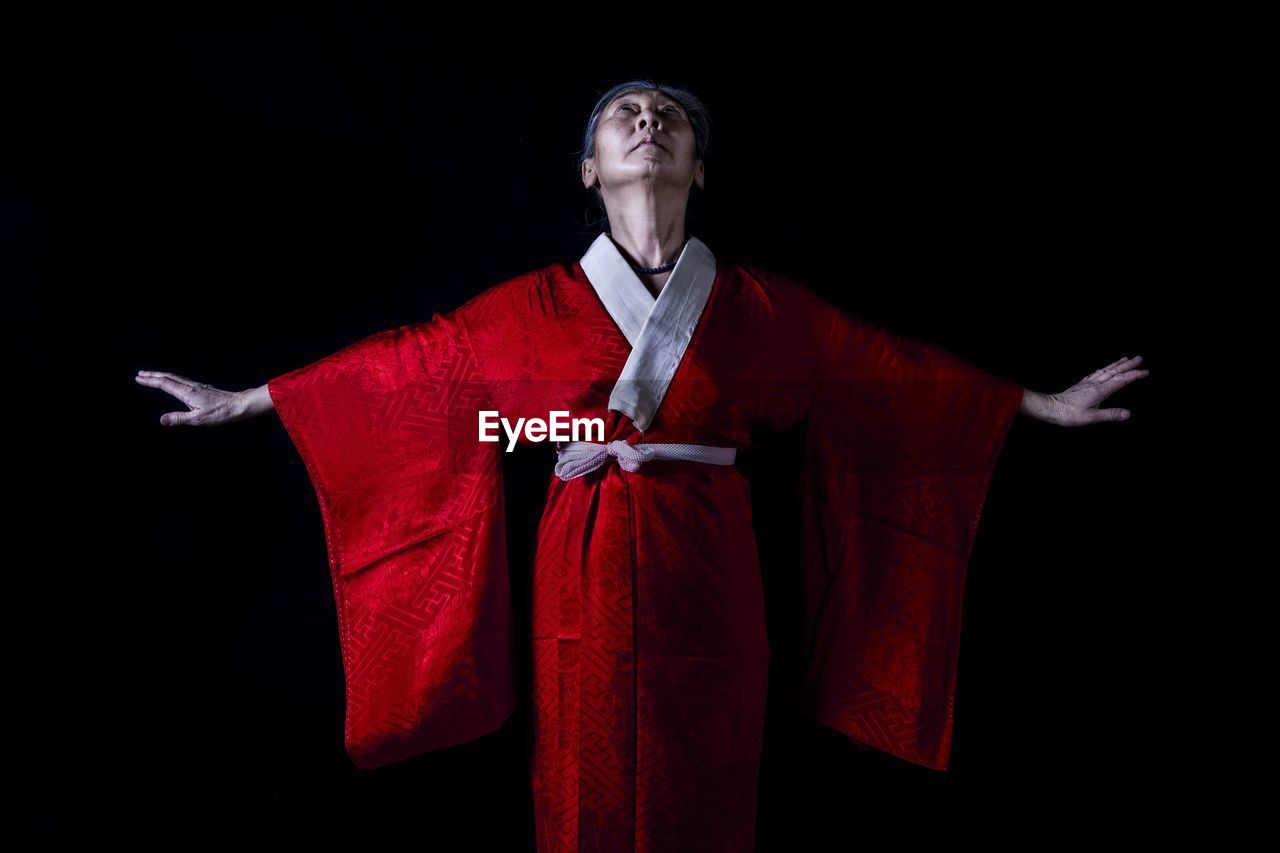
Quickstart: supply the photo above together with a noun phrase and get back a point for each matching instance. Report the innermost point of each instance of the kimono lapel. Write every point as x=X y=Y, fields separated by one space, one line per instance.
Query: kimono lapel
x=659 y=330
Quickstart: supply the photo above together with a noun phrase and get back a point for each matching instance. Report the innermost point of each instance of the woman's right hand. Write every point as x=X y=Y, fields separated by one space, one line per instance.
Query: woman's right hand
x=208 y=406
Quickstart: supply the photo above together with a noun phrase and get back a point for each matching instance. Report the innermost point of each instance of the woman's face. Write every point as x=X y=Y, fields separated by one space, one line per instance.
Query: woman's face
x=643 y=137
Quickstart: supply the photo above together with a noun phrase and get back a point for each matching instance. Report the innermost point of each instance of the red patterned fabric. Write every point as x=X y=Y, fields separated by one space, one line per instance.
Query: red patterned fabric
x=650 y=651
x=901 y=446
x=413 y=520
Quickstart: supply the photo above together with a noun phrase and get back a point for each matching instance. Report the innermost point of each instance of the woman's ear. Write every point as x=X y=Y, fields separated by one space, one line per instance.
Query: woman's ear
x=589 y=177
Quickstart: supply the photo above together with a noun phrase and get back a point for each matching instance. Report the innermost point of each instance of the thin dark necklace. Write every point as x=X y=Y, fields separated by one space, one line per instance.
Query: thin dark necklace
x=662 y=268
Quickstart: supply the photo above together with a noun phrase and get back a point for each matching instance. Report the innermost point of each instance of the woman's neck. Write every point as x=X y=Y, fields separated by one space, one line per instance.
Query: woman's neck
x=650 y=246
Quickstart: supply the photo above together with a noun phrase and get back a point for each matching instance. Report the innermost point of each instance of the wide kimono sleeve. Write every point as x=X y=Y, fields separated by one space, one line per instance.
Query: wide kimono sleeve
x=901 y=443
x=412 y=505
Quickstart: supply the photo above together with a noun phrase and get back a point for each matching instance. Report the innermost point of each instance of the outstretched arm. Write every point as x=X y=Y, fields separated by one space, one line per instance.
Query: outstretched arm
x=1078 y=405
x=207 y=406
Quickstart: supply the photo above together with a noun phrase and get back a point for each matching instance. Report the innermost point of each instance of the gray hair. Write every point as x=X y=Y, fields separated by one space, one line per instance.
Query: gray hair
x=698 y=115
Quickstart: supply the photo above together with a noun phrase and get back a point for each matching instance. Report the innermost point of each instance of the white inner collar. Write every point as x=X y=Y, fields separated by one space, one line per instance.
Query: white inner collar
x=658 y=329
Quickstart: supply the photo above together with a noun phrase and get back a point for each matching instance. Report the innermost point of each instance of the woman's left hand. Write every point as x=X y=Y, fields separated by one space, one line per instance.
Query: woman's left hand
x=1078 y=405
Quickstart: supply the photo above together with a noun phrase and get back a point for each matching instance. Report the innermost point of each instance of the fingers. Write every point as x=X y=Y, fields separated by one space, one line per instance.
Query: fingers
x=1099 y=416
x=1120 y=364
x=176 y=418
x=1129 y=376
x=167 y=382
x=1084 y=396
x=1097 y=374
x=157 y=375
x=178 y=386
x=1111 y=385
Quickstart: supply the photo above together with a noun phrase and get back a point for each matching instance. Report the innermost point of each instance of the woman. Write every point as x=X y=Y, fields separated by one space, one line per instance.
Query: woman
x=649 y=647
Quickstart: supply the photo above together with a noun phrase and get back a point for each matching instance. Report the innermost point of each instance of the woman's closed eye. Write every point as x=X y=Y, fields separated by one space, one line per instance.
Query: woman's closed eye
x=667 y=109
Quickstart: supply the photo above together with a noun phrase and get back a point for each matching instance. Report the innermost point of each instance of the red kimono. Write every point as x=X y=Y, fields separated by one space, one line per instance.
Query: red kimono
x=649 y=643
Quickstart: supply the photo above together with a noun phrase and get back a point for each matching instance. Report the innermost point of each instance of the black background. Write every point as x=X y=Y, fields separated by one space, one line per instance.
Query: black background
x=229 y=193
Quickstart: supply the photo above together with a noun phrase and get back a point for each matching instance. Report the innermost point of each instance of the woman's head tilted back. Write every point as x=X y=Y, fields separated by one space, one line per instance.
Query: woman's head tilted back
x=648 y=138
